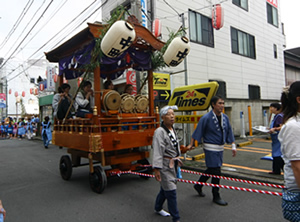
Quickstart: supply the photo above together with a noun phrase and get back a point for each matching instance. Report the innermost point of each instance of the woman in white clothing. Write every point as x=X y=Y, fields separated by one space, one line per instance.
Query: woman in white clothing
x=290 y=148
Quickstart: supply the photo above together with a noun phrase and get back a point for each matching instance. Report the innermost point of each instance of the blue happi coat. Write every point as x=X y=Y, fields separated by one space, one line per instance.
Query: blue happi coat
x=21 y=129
x=47 y=130
x=208 y=130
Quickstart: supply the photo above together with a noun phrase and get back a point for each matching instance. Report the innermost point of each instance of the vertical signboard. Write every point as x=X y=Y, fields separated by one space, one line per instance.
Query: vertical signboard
x=131 y=79
x=50 y=79
x=144 y=11
x=2 y=100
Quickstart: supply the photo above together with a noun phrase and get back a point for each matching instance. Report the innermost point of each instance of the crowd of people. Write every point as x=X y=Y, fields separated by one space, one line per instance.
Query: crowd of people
x=11 y=128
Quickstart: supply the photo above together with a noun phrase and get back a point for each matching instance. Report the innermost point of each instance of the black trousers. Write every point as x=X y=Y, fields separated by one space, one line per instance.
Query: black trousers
x=213 y=171
x=278 y=164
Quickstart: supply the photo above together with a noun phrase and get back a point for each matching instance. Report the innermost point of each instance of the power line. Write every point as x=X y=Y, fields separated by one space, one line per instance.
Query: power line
x=27 y=34
x=28 y=24
x=58 y=42
x=15 y=26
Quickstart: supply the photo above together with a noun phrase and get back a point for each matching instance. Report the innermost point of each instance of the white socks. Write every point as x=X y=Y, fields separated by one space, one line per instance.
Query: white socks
x=163 y=213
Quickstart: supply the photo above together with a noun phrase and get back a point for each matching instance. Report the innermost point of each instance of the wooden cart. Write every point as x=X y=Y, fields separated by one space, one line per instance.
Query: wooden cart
x=108 y=138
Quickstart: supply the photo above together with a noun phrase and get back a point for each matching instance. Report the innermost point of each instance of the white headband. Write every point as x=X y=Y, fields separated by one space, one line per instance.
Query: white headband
x=165 y=109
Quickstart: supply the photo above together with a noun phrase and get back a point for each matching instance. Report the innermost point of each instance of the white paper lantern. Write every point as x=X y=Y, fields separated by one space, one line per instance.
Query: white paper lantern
x=117 y=39
x=178 y=49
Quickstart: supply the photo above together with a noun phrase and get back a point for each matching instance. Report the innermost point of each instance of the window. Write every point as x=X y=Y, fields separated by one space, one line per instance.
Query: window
x=254 y=92
x=201 y=30
x=241 y=3
x=275 y=51
x=32 y=80
x=222 y=88
x=272 y=15
x=242 y=43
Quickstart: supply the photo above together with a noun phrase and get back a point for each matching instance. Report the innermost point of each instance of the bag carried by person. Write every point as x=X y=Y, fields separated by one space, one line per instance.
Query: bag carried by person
x=291 y=205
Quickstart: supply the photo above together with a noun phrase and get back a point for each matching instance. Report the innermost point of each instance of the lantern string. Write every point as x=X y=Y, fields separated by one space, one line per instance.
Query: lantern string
x=199 y=9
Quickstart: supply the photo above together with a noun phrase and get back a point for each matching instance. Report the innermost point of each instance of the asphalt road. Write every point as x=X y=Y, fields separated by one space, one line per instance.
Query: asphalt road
x=32 y=190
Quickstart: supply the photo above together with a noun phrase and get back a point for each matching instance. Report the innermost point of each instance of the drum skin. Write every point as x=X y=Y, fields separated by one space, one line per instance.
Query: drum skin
x=142 y=103
x=111 y=100
x=127 y=103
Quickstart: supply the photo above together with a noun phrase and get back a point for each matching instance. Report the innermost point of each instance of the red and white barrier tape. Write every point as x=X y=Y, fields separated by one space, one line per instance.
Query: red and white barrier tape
x=205 y=184
x=229 y=178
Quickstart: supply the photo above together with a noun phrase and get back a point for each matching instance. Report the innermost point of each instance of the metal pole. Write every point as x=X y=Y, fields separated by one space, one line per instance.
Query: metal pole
x=250 y=120
x=188 y=130
x=242 y=120
x=265 y=118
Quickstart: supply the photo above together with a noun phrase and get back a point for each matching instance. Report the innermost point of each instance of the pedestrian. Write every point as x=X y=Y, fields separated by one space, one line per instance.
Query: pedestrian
x=275 y=127
x=9 y=130
x=15 y=130
x=21 y=128
x=166 y=153
x=29 y=129
x=85 y=99
x=2 y=212
x=214 y=130
x=3 y=130
x=290 y=140
x=62 y=101
x=46 y=132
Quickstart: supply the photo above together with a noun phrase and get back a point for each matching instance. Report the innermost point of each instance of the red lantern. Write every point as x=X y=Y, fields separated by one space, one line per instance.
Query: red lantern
x=23 y=94
x=55 y=77
x=79 y=81
x=156 y=28
x=35 y=91
x=42 y=87
x=65 y=80
x=9 y=91
x=31 y=90
x=217 y=16
x=16 y=94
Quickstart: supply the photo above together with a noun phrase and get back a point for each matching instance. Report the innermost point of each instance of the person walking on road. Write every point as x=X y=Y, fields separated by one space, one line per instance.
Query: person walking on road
x=274 y=130
x=290 y=140
x=21 y=128
x=46 y=132
x=2 y=212
x=214 y=130
x=166 y=153
x=29 y=129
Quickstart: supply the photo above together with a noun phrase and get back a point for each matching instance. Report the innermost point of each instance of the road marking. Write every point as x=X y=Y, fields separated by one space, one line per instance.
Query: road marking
x=251 y=151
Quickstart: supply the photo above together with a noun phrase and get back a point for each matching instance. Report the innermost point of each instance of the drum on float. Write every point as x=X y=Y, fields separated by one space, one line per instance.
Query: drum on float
x=111 y=100
x=127 y=103
x=142 y=103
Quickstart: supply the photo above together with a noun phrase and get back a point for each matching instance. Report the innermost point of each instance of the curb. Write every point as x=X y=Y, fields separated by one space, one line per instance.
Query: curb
x=245 y=143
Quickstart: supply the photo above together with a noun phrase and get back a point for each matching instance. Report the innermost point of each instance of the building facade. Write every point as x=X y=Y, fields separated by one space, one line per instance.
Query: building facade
x=245 y=56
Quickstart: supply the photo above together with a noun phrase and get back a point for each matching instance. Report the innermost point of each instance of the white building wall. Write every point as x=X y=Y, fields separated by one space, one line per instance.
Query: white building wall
x=219 y=63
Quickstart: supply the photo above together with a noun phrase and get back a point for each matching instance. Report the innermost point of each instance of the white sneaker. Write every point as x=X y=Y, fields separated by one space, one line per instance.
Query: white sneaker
x=163 y=213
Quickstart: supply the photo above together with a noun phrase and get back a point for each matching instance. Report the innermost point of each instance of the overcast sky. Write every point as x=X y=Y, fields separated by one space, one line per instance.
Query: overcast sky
x=11 y=10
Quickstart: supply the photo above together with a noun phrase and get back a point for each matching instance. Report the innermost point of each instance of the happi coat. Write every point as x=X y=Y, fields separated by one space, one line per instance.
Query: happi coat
x=47 y=130
x=163 y=151
x=209 y=132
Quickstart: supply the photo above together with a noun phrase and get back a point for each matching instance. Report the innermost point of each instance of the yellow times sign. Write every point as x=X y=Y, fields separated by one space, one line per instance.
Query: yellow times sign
x=161 y=81
x=193 y=97
x=188 y=118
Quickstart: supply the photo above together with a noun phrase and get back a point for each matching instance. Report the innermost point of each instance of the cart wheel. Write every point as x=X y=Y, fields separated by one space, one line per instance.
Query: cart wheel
x=98 y=180
x=65 y=167
x=143 y=169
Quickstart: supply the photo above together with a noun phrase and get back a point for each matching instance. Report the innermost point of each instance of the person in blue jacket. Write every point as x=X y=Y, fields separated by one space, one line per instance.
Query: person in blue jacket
x=21 y=128
x=9 y=129
x=275 y=127
x=46 y=132
x=213 y=130
x=29 y=129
